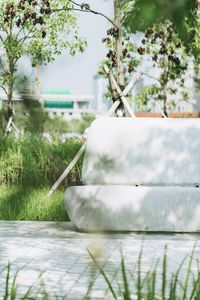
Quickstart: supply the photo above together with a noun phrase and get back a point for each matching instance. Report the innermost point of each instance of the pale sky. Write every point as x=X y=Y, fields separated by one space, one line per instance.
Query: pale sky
x=76 y=73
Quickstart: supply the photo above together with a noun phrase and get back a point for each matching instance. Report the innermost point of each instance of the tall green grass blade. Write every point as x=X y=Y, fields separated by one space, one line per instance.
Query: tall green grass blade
x=89 y=290
x=149 y=282
x=6 y=295
x=14 y=288
x=173 y=288
x=145 y=286
x=185 y=287
x=194 y=289
x=91 y=282
x=195 y=293
x=152 y=293
x=164 y=274
x=27 y=294
x=139 y=277
x=103 y=274
x=126 y=292
x=171 y=291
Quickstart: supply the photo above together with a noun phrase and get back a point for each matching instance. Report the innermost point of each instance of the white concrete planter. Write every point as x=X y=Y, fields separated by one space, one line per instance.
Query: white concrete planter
x=140 y=175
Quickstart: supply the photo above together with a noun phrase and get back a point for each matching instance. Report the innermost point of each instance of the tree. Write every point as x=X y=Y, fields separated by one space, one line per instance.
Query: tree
x=122 y=52
x=168 y=54
x=163 y=46
x=145 y=13
x=39 y=29
x=182 y=14
x=121 y=49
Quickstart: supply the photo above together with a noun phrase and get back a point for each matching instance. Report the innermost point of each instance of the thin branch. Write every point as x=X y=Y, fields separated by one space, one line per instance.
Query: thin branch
x=19 y=31
x=126 y=14
x=2 y=66
x=75 y=3
x=86 y=10
x=3 y=88
x=150 y=76
x=2 y=40
x=4 y=28
x=23 y=39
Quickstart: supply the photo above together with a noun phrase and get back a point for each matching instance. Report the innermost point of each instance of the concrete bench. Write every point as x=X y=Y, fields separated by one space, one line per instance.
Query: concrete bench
x=139 y=174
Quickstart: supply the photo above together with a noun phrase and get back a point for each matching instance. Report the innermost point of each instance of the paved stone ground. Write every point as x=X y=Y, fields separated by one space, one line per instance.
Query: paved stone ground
x=54 y=257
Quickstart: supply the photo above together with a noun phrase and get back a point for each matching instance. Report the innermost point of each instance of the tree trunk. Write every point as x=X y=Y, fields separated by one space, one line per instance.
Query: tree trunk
x=38 y=83
x=118 y=44
x=165 y=104
x=11 y=69
x=165 y=68
x=10 y=114
x=37 y=78
x=119 y=51
x=10 y=84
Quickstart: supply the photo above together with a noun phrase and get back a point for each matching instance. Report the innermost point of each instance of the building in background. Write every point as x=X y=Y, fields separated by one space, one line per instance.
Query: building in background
x=63 y=104
x=100 y=104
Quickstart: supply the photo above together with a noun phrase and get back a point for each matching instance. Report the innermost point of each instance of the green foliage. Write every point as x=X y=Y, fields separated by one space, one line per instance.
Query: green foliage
x=57 y=125
x=31 y=161
x=152 y=286
x=145 y=13
x=40 y=30
x=146 y=98
x=10 y=292
x=18 y=203
x=61 y=32
x=183 y=14
x=82 y=124
x=129 y=54
x=11 y=288
x=29 y=117
x=162 y=45
x=155 y=283
x=28 y=168
x=130 y=60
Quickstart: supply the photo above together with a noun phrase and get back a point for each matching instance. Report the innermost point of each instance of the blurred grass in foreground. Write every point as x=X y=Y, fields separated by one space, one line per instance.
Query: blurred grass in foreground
x=135 y=284
x=155 y=283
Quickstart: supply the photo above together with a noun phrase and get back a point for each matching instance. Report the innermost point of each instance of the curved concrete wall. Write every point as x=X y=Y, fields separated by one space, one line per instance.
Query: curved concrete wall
x=128 y=208
x=143 y=152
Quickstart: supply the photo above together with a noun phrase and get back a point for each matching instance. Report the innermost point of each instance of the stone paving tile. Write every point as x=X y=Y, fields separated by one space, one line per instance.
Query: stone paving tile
x=56 y=255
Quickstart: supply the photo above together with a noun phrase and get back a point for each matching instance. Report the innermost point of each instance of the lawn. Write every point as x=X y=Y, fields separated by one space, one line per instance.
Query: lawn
x=29 y=166
x=18 y=203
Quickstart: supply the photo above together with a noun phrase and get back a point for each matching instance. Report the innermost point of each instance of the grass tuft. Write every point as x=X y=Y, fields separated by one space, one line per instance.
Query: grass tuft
x=32 y=161
x=172 y=287
x=144 y=287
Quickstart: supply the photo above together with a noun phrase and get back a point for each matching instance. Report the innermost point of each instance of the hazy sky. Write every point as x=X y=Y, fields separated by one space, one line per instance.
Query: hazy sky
x=76 y=73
